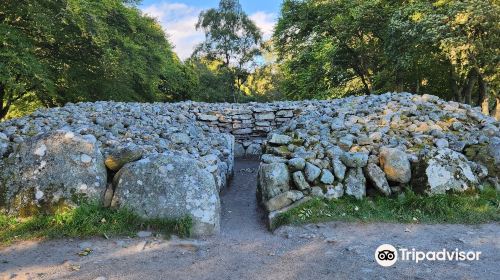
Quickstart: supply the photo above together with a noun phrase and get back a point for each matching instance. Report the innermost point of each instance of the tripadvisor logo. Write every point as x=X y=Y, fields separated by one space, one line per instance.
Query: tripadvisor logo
x=387 y=255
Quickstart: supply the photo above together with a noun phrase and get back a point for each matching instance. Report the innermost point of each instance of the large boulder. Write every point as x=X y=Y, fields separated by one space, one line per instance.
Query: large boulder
x=486 y=155
x=312 y=172
x=254 y=150
x=119 y=157
x=355 y=183
x=395 y=164
x=377 y=178
x=50 y=171
x=4 y=144
x=170 y=186
x=273 y=179
x=354 y=159
x=300 y=181
x=282 y=200
x=494 y=149
x=443 y=170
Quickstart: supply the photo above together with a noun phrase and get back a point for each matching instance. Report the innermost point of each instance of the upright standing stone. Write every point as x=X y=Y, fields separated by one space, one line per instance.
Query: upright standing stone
x=52 y=170
x=180 y=187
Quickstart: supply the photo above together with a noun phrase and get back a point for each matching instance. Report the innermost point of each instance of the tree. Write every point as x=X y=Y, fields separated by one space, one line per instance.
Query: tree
x=213 y=80
x=443 y=47
x=69 y=50
x=325 y=45
x=232 y=38
x=464 y=35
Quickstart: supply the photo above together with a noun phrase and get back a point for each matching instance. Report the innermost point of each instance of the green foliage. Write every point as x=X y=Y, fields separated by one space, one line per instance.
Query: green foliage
x=69 y=50
x=406 y=208
x=232 y=40
x=342 y=47
x=85 y=221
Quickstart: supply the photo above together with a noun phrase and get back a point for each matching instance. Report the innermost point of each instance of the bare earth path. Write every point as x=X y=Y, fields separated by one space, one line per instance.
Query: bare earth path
x=246 y=250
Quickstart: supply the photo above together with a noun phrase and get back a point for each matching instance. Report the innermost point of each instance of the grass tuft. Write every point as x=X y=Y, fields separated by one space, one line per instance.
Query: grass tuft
x=408 y=207
x=87 y=220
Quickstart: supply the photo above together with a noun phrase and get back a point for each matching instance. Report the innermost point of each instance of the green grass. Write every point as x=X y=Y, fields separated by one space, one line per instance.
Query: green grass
x=406 y=208
x=87 y=220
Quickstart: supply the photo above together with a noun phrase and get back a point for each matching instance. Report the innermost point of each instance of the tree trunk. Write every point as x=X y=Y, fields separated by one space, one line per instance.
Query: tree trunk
x=417 y=89
x=484 y=98
x=497 y=108
x=3 y=109
x=469 y=86
x=233 y=93
x=454 y=86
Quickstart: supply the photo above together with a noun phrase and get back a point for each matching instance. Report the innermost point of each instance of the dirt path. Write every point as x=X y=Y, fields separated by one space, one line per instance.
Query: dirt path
x=246 y=250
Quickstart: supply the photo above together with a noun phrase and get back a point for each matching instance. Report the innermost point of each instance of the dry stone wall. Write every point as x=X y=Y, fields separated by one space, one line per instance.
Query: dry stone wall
x=378 y=145
x=172 y=160
x=249 y=123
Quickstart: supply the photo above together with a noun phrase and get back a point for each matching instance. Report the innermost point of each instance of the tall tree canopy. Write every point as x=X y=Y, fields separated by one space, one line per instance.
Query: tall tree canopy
x=339 y=47
x=70 y=50
x=232 y=38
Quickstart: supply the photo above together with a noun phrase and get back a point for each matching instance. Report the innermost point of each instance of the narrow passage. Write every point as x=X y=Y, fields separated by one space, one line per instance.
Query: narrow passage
x=240 y=212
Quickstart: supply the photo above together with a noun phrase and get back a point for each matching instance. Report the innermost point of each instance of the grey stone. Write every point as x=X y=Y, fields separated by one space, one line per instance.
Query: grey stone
x=494 y=149
x=355 y=183
x=317 y=192
x=119 y=157
x=267 y=158
x=375 y=136
x=264 y=116
x=312 y=172
x=180 y=187
x=354 y=159
x=441 y=143
x=280 y=139
x=377 y=178
x=254 y=150
x=264 y=123
x=339 y=169
x=285 y=113
x=364 y=141
x=345 y=143
x=282 y=200
x=239 y=150
x=273 y=179
x=457 y=146
x=326 y=177
x=297 y=164
x=443 y=170
x=334 y=152
x=4 y=146
x=300 y=181
x=274 y=216
x=242 y=131
x=395 y=165
x=180 y=138
x=205 y=117
x=334 y=191
x=47 y=171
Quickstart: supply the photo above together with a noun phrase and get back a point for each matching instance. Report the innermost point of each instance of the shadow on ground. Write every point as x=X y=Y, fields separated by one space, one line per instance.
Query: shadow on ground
x=246 y=250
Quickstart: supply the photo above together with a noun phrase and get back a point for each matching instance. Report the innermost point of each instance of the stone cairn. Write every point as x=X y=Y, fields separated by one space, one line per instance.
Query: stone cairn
x=172 y=160
x=378 y=145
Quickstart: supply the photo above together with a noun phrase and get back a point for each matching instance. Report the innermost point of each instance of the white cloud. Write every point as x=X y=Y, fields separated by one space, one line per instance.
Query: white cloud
x=179 y=20
x=266 y=22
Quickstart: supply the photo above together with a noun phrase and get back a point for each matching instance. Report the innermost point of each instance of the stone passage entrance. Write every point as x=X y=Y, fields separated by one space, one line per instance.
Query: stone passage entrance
x=241 y=214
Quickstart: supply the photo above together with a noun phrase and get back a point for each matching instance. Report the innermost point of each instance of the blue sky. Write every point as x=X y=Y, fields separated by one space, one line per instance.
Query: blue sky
x=178 y=18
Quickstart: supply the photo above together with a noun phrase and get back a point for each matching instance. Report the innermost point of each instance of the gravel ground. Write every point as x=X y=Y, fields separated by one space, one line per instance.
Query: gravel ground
x=246 y=250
